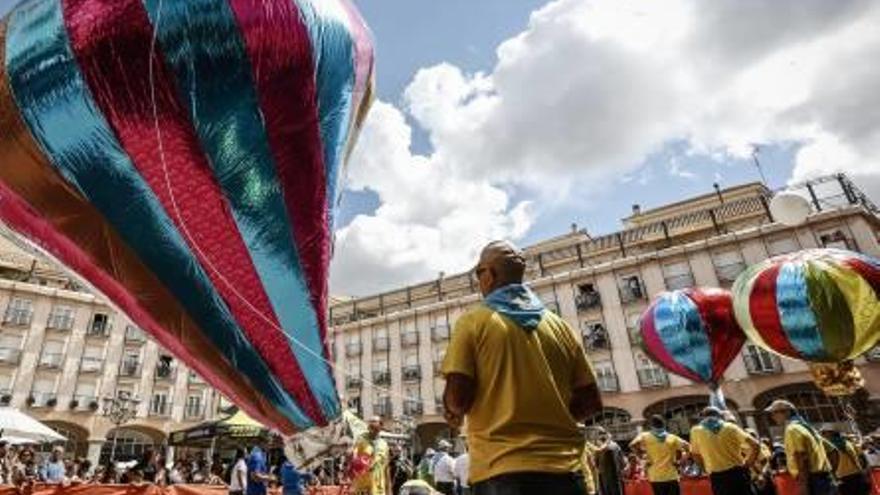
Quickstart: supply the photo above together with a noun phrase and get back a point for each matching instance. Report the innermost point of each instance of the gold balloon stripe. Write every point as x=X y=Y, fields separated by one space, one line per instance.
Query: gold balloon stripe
x=27 y=172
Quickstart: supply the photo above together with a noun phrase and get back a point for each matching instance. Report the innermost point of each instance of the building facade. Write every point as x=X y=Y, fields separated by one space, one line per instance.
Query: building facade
x=63 y=350
x=389 y=347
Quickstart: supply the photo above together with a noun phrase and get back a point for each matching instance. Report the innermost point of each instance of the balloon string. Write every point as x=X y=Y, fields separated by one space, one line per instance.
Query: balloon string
x=191 y=240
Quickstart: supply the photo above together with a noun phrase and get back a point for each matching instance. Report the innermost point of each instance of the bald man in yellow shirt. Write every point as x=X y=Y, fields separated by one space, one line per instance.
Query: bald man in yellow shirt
x=520 y=375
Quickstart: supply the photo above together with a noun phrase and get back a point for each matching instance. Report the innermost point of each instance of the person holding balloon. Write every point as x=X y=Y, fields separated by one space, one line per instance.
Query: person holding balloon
x=805 y=451
x=663 y=450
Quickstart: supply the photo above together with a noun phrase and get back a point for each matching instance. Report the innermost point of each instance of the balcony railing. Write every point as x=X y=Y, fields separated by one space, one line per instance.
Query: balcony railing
x=161 y=410
x=135 y=335
x=194 y=412
x=586 y=301
x=412 y=407
x=130 y=369
x=165 y=373
x=728 y=273
x=9 y=355
x=353 y=382
x=381 y=377
x=596 y=338
x=762 y=363
x=18 y=317
x=353 y=349
x=83 y=403
x=60 y=322
x=51 y=360
x=631 y=290
x=91 y=365
x=98 y=329
x=653 y=378
x=608 y=382
x=683 y=281
x=381 y=344
x=409 y=339
x=42 y=399
x=194 y=379
x=440 y=333
x=412 y=373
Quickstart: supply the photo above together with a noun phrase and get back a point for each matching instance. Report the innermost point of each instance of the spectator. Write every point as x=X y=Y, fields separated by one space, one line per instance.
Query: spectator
x=461 y=469
x=53 y=471
x=521 y=376
x=872 y=451
x=610 y=464
x=5 y=464
x=372 y=450
x=292 y=480
x=148 y=468
x=401 y=470
x=177 y=475
x=444 y=473
x=258 y=472
x=238 y=479
x=847 y=463
x=662 y=450
x=807 y=459
x=426 y=466
x=716 y=445
x=24 y=471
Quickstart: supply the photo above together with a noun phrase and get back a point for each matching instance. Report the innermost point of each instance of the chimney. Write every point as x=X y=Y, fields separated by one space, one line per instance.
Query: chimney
x=637 y=210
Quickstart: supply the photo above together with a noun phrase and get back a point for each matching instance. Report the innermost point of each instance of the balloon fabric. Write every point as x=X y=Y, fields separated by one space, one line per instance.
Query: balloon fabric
x=818 y=305
x=183 y=158
x=692 y=333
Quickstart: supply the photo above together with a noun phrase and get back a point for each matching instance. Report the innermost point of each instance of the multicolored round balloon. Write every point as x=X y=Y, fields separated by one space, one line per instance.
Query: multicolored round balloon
x=182 y=157
x=692 y=333
x=815 y=305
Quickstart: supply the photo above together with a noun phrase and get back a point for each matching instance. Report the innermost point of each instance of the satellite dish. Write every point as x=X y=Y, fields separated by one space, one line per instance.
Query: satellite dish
x=790 y=208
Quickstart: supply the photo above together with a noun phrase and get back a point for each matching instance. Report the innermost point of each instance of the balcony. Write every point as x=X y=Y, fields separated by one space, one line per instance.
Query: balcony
x=761 y=362
x=728 y=273
x=84 y=403
x=134 y=335
x=353 y=382
x=61 y=322
x=51 y=360
x=596 y=338
x=653 y=378
x=5 y=396
x=631 y=290
x=160 y=409
x=440 y=333
x=165 y=373
x=381 y=378
x=193 y=378
x=353 y=349
x=194 y=412
x=608 y=382
x=677 y=282
x=91 y=365
x=10 y=356
x=382 y=407
x=381 y=344
x=99 y=330
x=412 y=407
x=130 y=369
x=38 y=400
x=409 y=339
x=635 y=336
x=18 y=317
x=412 y=373
x=586 y=301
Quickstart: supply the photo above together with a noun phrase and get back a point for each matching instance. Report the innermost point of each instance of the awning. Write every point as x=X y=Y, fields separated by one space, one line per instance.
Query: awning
x=227 y=432
x=22 y=428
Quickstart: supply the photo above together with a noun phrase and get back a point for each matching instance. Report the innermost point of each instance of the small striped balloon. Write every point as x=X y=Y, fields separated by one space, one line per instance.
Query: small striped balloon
x=692 y=333
x=816 y=305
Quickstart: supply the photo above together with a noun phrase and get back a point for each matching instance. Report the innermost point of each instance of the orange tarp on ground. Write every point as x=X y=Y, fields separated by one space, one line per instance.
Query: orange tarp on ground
x=142 y=490
x=784 y=486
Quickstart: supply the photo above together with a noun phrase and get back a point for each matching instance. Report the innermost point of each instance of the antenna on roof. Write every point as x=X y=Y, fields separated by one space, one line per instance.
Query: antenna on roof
x=755 y=150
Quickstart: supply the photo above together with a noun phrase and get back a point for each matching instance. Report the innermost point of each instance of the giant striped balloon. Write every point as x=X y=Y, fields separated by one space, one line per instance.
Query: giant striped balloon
x=815 y=305
x=182 y=156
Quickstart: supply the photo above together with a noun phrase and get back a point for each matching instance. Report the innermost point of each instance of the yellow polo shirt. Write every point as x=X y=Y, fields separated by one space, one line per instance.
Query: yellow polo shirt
x=519 y=421
x=589 y=467
x=720 y=451
x=799 y=439
x=661 y=456
x=848 y=462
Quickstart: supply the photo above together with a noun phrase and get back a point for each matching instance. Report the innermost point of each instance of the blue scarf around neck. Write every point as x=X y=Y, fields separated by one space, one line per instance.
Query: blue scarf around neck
x=713 y=424
x=519 y=303
x=659 y=434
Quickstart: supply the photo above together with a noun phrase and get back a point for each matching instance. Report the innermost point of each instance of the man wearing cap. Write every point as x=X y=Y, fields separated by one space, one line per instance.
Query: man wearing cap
x=663 y=450
x=520 y=375
x=717 y=446
x=849 y=468
x=807 y=460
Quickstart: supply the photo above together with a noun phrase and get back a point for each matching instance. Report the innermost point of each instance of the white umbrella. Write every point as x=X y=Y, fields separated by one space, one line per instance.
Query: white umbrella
x=18 y=425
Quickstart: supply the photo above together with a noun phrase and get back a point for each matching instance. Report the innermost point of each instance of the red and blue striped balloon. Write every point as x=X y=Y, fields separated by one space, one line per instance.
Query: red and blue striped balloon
x=183 y=157
x=818 y=305
x=692 y=333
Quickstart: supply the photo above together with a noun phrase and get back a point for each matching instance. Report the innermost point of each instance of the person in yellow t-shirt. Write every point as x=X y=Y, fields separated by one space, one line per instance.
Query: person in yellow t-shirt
x=663 y=450
x=521 y=376
x=717 y=446
x=371 y=447
x=806 y=458
x=847 y=464
x=589 y=467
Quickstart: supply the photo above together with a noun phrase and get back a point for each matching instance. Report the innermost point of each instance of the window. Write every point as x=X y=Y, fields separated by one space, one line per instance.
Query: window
x=131 y=364
x=617 y=421
x=5 y=382
x=834 y=239
x=760 y=362
x=439 y=356
x=10 y=349
x=92 y=359
x=633 y=328
x=194 y=407
x=100 y=324
x=130 y=445
x=728 y=266
x=440 y=332
x=631 y=289
x=595 y=336
x=353 y=345
x=678 y=275
x=85 y=396
x=61 y=318
x=412 y=405
x=381 y=404
x=381 y=375
x=134 y=334
x=43 y=392
x=165 y=368
x=587 y=297
x=411 y=369
x=160 y=404
x=19 y=312
x=650 y=374
x=52 y=355
x=354 y=403
x=606 y=378
x=409 y=338
x=782 y=245
x=380 y=340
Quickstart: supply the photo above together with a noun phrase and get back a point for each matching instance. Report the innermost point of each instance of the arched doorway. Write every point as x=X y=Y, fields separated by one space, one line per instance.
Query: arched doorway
x=682 y=413
x=812 y=404
x=618 y=422
x=76 y=445
x=131 y=443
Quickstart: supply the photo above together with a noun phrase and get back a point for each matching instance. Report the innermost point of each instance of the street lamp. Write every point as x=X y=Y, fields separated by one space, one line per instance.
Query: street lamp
x=119 y=410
